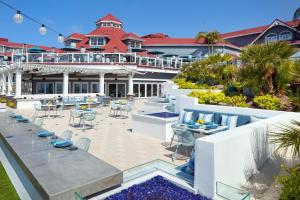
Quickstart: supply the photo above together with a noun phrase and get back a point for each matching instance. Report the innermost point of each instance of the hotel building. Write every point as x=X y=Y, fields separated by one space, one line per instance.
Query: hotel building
x=111 y=62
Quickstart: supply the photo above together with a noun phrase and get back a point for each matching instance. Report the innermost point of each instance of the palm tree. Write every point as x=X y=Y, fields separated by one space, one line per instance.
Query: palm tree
x=288 y=136
x=210 y=38
x=267 y=66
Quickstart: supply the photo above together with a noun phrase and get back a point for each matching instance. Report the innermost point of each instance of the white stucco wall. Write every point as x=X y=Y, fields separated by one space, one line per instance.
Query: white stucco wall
x=232 y=156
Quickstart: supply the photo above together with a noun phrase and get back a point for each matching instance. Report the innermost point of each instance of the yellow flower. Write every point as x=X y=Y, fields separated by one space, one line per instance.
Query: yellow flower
x=83 y=107
x=200 y=121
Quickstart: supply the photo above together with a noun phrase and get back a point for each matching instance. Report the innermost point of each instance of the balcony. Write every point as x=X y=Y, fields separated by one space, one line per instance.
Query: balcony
x=172 y=63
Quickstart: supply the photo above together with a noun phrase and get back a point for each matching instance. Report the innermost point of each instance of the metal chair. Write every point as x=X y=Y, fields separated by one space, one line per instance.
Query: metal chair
x=114 y=108
x=38 y=121
x=37 y=109
x=66 y=135
x=90 y=117
x=185 y=138
x=73 y=115
x=78 y=196
x=60 y=111
x=83 y=143
x=126 y=109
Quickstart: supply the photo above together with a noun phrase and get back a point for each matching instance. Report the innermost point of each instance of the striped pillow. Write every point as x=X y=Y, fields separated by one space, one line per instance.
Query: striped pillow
x=185 y=116
x=229 y=121
x=206 y=117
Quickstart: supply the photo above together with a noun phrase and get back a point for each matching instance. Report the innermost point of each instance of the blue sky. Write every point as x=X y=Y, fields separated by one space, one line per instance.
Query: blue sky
x=177 y=18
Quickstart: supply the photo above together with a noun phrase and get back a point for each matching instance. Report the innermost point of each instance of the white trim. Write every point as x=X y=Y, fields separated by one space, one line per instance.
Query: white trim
x=285 y=31
x=275 y=23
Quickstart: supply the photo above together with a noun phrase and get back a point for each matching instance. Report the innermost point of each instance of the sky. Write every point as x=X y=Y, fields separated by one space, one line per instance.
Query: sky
x=176 y=18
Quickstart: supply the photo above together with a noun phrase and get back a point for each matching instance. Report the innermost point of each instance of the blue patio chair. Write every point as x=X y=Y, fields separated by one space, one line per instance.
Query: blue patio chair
x=37 y=109
x=60 y=110
x=83 y=143
x=185 y=138
x=66 y=135
x=114 y=108
x=65 y=100
x=73 y=115
x=88 y=117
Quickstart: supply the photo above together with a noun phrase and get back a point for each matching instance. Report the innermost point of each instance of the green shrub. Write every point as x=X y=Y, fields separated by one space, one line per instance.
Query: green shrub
x=183 y=84
x=268 y=102
x=290 y=184
x=208 y=97
x=219 y=98
x=237 y=100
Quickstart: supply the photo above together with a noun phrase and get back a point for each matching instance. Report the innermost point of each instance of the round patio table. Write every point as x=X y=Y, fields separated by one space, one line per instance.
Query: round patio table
x=48 y=108
x=82 y=113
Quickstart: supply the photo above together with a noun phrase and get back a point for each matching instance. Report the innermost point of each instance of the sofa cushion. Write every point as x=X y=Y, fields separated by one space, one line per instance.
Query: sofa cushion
x=185 y=116
x=206 y=117
x=229 y=121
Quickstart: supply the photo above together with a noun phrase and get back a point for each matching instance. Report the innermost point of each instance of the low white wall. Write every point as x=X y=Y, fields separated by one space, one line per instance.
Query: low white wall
x=173 y=90
x=233 y=156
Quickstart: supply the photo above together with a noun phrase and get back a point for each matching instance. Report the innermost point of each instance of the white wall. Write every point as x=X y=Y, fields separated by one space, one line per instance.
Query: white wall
x=172 y=89
x=232 y=156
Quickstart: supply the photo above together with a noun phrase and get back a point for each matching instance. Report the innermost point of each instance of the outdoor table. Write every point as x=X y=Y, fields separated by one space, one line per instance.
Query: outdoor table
x=49 y=107
x=202 y=130
x=82 y=113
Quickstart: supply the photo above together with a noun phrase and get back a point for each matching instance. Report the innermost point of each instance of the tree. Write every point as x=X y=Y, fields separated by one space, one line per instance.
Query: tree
x=288 y=136
x=266 y=67
x=210 y=38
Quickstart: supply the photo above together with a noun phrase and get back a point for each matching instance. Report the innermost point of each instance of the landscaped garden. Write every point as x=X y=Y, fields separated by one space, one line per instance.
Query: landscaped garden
x=7 y=190
x=264 y=77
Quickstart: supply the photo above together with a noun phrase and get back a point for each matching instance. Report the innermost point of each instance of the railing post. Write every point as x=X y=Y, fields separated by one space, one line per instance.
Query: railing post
x=42 y=57
x=56 y=58
x=72 y=57
x=119 y=58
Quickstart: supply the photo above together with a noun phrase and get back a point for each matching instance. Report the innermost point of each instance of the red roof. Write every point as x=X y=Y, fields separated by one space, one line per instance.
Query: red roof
x=76 y=36
x=132 y=36
x=258 y=29
x=109 y=17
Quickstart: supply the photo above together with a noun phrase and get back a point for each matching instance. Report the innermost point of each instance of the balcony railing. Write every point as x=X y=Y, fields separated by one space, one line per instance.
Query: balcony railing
x=99 y=58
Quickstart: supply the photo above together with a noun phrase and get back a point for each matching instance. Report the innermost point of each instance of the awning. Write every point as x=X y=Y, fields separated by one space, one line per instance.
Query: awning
x=155 y=52
x=36 y=49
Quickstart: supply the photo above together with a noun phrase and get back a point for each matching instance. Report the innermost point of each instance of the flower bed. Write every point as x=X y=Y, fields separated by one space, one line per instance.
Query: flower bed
x=157 y=188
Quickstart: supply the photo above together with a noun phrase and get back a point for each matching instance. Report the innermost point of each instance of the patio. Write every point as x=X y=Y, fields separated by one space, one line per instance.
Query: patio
x=112 y=139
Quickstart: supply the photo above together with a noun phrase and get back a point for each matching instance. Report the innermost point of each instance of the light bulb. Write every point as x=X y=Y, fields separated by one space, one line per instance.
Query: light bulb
x=43 y=30
x=18 y=17
x=60 y=38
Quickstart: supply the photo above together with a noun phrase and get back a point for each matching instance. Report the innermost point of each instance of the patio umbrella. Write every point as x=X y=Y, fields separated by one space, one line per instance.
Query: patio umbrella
x=155 y=52
x=68 y=48
x=138 y=50
x=169 y=55
x=35 y=49
x=95 y=49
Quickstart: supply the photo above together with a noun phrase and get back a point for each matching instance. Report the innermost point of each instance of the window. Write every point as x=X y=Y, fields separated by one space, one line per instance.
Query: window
x=97 y=41
x=135 y=44
x=45 y=88
x=272 y=37
x=1 y=48
x=285 y=35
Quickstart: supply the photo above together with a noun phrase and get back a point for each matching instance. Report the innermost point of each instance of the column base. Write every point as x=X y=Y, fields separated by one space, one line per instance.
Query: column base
x=130 y=96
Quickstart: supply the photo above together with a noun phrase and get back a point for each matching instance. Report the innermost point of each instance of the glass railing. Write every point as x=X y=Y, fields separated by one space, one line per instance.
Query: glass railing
x=98 y=58
x=157 y=165
x=231 y=193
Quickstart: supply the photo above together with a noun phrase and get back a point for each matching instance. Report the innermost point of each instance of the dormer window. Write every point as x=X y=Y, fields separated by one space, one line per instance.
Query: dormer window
x=272 y=37
x=134 y=44
x=97 y=41
x=285 y=35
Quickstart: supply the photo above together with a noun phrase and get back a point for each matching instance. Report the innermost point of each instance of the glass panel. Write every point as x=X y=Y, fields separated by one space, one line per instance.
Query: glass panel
x=40 y=88
x=142 y=90
x=95 y=87
x=159 y=90
x=76 y=87
x=84 y=88
x=154 y=89
x=59 y=88
x=49 y=88
x=121 y=90
x=149 y=90
x=112 y=89
x=136 y=90
x=229 y=192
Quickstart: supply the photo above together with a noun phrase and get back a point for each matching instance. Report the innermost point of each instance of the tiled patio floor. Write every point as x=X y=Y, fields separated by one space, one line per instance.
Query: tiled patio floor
x=112 y=139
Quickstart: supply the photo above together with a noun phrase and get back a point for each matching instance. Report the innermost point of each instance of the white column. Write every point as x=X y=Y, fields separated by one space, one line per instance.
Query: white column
x=130 y=85
x=101 y=84
x=66 y=83
x=18 y=93
x=3 y=91
x=9 y=83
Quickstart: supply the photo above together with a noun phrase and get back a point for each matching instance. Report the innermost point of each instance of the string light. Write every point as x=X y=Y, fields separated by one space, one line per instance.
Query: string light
x=19 y=17
x=43 y=30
